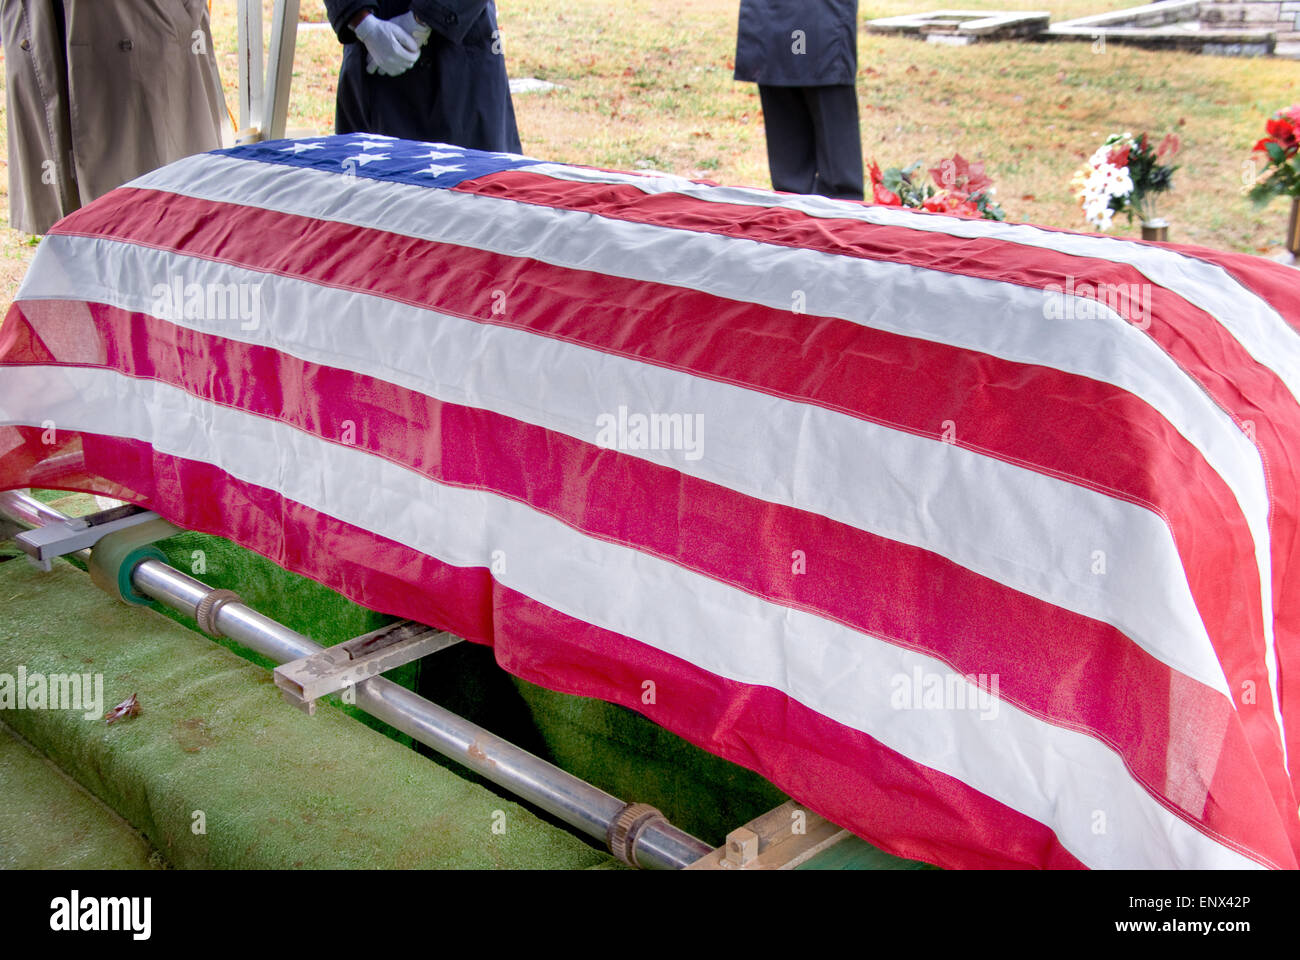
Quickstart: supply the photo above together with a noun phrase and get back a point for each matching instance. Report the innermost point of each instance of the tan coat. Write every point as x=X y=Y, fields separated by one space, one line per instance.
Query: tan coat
x=135 y=86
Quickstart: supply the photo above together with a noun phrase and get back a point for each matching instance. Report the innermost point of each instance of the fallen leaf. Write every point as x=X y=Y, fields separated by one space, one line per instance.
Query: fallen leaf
x=130 y=707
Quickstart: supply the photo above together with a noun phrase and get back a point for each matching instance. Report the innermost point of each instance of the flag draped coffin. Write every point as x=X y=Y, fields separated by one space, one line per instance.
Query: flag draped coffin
x=977 y=538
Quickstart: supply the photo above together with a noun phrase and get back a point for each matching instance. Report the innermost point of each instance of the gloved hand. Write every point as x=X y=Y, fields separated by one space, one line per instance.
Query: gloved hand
x=390 y=50
x=414 y=27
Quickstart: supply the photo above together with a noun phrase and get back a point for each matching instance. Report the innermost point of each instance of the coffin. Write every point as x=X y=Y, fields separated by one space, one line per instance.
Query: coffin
x=977 y=538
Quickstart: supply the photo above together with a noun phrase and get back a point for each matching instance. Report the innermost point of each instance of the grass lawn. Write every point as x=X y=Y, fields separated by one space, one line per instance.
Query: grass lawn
x=649 y=85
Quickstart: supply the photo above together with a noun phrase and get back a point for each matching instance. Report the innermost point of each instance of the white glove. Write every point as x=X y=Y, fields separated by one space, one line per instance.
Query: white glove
x=390 y=50
x=414 y=27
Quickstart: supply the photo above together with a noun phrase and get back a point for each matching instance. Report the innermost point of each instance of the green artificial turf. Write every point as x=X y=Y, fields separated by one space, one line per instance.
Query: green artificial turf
x=295 y=601
x=273 y=787
x=610 y=746
x=48 y=821
x=300 y=604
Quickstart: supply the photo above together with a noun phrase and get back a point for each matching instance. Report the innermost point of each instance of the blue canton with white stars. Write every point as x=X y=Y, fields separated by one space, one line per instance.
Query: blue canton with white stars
x=377 y=157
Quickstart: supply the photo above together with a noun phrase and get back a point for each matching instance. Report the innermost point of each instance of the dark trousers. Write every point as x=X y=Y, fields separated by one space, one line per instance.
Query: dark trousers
x=813 y=141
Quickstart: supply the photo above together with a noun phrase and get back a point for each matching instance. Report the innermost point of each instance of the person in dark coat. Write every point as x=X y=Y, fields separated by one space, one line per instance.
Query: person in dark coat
x=424 y=70
x=803 y=54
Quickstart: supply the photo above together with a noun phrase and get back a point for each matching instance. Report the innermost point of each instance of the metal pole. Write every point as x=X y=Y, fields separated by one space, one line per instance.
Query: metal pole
x=659 y=845
x=26 y=509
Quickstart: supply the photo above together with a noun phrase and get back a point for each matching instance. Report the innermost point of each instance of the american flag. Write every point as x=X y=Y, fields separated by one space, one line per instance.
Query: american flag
x=976 y=538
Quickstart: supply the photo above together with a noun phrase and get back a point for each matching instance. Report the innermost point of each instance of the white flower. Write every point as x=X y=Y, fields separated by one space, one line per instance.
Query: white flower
x=1099 y=186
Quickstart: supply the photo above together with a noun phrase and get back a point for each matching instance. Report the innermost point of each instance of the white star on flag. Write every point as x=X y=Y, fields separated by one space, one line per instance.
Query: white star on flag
x=439 y=169
x=364 y=158
x=375 y=136
x=367 y=145
x=298 y=148
x=444 y=154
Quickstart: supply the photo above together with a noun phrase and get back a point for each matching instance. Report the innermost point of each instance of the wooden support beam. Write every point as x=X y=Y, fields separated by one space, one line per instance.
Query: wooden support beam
x=780 y=839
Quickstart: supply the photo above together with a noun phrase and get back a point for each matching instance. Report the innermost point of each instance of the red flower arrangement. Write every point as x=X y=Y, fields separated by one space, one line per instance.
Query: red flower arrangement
x=962 y=188
x=1282 y=148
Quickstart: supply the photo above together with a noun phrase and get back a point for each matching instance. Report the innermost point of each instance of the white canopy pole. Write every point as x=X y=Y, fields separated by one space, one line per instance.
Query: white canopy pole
x=279 y=67
x=250 y=68
x=264 y=98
